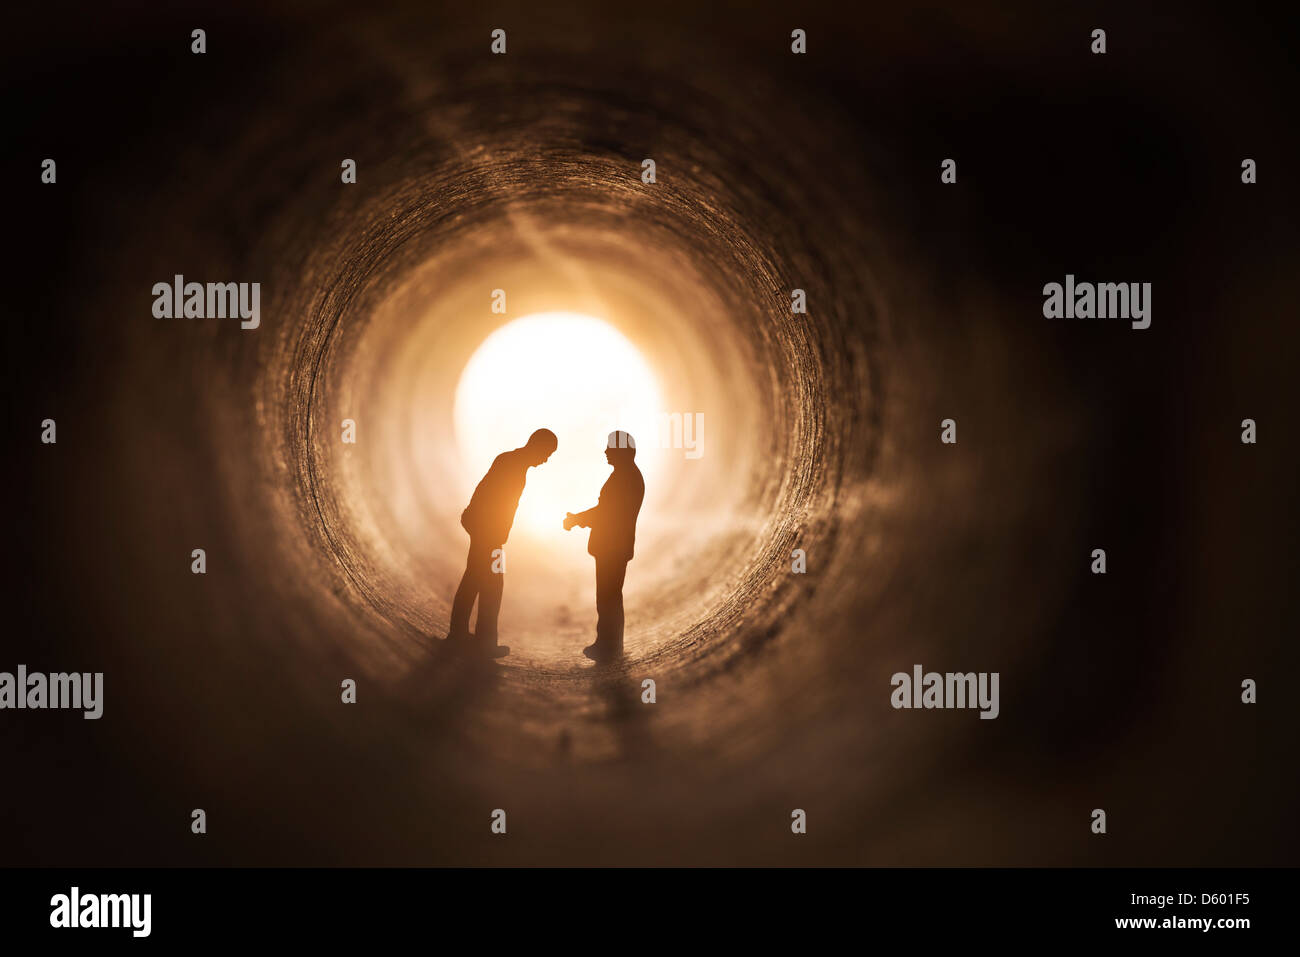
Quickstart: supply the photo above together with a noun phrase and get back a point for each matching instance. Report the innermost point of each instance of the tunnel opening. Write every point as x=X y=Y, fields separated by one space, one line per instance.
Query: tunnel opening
x=398 y=367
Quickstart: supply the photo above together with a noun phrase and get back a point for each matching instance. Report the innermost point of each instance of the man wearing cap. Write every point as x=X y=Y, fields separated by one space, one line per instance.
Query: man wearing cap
x=613 y=533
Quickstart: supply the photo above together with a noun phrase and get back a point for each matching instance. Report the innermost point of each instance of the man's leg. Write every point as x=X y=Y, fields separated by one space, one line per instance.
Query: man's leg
x=491 y=585
x=463 y=603
x=609 y=605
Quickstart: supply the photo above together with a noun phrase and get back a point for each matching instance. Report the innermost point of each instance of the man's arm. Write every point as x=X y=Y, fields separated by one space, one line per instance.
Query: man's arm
x=582 y=519
x=591 y=515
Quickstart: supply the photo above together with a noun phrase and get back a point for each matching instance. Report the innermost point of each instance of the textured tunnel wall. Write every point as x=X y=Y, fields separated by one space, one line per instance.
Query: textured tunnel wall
x=535 y=188
x=475 y=172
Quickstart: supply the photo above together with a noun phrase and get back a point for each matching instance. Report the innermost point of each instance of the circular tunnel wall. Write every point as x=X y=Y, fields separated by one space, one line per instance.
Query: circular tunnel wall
x=540 y=195
x=330 y=560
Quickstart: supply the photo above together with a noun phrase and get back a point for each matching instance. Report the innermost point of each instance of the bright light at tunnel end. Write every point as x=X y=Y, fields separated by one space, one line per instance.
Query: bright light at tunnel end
x=574 y=374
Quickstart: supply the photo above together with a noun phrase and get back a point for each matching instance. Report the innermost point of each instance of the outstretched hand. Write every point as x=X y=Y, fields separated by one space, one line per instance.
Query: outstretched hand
x=569 y=519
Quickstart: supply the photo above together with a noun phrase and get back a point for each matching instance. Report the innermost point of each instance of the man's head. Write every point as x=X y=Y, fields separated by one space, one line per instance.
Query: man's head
x=540 y=446
x=620 y=448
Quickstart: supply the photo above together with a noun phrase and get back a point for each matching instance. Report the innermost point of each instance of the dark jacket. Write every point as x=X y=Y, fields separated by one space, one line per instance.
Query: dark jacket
x=613 y=520
x=491 y=511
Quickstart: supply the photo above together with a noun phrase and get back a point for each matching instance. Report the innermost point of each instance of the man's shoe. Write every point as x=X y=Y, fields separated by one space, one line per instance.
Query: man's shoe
x=599 y=653
x=462 y=646
x=498 y=651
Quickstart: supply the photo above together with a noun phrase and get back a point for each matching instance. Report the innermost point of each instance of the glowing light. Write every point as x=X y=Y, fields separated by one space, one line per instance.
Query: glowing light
x=573 y=374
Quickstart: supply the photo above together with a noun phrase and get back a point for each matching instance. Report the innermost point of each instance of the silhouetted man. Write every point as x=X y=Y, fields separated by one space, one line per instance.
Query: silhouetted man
x=488 y=519
x=613 y=532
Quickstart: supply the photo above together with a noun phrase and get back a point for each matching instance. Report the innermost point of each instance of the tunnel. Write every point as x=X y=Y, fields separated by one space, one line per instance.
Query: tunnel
x=824 y=538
